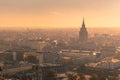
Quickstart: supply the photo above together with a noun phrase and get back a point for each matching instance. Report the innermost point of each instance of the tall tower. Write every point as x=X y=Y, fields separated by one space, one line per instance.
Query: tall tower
x=83 y=34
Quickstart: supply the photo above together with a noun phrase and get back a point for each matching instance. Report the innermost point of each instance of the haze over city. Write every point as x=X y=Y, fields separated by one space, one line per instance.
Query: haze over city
x=59 y=40
x=59 y=13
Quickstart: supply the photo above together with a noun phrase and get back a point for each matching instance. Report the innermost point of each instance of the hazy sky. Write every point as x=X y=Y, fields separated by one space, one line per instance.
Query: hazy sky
x=60 y=13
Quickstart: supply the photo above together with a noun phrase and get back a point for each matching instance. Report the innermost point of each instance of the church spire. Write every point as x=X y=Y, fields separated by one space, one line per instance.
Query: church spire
x=83 y=34
x=83 y=24
x=83 y=20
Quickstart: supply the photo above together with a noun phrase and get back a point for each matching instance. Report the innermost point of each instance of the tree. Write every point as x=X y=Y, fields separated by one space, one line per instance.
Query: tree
x=70 y=76
x=103 y=77
x=51 y=75
x=112 y=78
x=82 y=76
x=94 y=77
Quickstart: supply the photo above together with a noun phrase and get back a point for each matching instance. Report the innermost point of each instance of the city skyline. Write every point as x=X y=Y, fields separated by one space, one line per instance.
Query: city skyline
x=59 y=14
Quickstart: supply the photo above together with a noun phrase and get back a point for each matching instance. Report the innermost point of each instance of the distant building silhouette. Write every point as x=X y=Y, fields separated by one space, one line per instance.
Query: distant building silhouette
x=83 y=34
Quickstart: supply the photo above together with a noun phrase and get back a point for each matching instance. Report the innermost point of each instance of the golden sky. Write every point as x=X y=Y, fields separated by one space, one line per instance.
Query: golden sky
x=59 y=13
